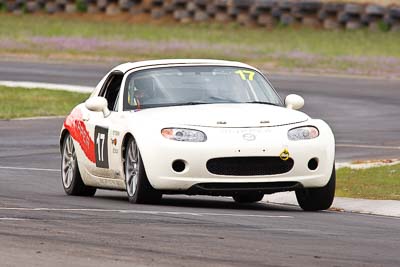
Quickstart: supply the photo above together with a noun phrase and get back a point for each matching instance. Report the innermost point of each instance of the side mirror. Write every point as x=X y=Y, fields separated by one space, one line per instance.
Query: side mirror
x=98 y=104
x=294 y=101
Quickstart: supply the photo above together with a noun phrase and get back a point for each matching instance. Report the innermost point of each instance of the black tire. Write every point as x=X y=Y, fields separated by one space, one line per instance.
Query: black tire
x=314 y=199
x=143 y=192
x=248 y=198
x=74 y=185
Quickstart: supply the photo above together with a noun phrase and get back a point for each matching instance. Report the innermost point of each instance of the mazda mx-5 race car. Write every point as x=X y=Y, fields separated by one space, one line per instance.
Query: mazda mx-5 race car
x=196 y=127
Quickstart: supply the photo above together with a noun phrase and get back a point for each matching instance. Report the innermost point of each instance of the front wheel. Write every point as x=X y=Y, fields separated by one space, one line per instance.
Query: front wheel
x=313 y=199
x=71 y=177
x=138 y=187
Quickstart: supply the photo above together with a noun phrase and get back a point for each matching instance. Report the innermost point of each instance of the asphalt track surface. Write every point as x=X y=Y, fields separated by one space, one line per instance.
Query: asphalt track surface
x=41 y=226
x=363 y=113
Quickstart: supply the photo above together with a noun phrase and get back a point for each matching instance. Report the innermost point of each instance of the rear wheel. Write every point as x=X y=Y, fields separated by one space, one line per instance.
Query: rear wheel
x=313 y=199
x=71 y=177
x=248 y=198
x=138 y=187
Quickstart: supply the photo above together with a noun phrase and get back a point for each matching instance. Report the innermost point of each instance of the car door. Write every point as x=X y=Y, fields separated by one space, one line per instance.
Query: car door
x=99 y=127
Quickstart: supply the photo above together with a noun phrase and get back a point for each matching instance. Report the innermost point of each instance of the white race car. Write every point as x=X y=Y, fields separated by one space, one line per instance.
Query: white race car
x=196 y=127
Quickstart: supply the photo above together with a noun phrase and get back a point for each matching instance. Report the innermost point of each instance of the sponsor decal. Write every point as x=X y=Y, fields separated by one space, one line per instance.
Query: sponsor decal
x=114 y=141
x=249 y=137
x=74 y=124
x=244 y=131
x=284 y=154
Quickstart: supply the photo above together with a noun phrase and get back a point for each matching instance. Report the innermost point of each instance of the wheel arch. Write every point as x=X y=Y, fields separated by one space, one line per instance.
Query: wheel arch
x=62 y=138
x=124 y=143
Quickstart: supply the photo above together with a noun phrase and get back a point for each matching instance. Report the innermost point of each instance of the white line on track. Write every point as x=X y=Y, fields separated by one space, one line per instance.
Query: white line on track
x=49 y=86
x=369 y=146
x=28 y=169
x=149 y=212
x=11 y=219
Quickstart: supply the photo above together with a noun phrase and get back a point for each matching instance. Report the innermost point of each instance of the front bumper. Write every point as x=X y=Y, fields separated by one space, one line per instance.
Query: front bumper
x=159 y=156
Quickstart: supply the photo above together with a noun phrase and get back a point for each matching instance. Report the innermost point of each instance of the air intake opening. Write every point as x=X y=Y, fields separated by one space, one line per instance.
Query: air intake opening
x=313 y=164
x=247 y=166
x=178 y=165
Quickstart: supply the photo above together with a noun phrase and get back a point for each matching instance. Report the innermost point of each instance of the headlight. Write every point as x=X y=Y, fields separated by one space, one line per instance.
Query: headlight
x=303 y=133
x=187 y=135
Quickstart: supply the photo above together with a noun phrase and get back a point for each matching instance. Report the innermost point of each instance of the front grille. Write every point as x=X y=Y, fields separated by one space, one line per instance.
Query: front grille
x=248 y=166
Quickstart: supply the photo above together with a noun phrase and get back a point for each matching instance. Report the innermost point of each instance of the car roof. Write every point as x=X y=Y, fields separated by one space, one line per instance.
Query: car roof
x=125 y=67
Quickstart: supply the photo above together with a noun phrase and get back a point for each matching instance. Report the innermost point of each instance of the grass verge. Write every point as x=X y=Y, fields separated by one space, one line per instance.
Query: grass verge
x=125 y=38
x=21 y=102
x=373 y=183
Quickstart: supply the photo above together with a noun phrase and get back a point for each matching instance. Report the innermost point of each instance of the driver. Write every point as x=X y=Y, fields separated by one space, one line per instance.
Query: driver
x=141 y=90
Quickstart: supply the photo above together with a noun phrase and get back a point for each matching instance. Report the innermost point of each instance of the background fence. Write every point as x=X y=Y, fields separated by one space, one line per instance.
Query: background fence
x=265 y=13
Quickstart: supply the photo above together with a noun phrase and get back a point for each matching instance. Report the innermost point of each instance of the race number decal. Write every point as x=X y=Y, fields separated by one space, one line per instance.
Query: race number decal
x=101 y=147
x=246 y=74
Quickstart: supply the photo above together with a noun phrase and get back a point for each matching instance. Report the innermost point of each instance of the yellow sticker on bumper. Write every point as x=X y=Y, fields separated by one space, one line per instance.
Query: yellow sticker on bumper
x=285 y=154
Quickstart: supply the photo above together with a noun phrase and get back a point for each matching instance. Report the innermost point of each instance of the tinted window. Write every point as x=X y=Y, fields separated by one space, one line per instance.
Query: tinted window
x=111 y=90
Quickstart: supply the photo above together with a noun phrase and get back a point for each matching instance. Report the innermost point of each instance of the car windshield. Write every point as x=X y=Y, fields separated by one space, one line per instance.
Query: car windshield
x=196 y=85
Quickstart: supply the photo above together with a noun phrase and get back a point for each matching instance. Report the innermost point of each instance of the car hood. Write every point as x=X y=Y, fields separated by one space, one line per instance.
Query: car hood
x=225 y=115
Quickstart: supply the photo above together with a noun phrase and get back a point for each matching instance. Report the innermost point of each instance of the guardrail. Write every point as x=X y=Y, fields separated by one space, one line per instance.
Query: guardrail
x=265 y=13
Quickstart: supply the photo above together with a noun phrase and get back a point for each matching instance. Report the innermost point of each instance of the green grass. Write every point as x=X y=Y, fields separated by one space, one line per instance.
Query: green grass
x=21 y=102
x=373 y=183
x=282 y=39
x=280 y=48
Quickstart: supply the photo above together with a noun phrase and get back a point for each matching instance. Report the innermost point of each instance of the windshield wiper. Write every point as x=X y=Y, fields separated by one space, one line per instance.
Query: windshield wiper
x=261 y=102
x=191 y=103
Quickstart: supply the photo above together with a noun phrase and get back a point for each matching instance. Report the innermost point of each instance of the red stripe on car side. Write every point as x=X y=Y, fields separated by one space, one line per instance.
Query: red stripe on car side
x=74 y=124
